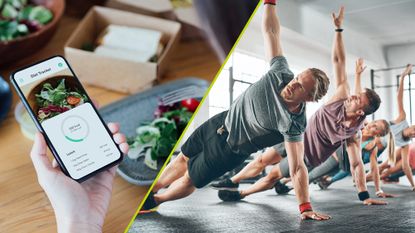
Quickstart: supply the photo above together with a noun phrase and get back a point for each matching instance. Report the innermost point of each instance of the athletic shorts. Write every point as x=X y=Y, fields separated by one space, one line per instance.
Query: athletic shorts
x=209 y=154
x=280 y=148
x=285 y=168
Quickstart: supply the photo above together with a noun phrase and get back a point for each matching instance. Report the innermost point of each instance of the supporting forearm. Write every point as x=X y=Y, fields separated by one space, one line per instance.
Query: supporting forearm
x=360 y=177
x=375 y=170
x=408 y=172
x=298 y=170
x=299 y=178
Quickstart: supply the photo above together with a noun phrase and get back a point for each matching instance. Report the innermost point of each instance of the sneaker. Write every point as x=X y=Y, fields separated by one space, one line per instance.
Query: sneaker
x=226 y=195
x=324 y=184
x=150 y=205
x=225 y=184
x=281 y=188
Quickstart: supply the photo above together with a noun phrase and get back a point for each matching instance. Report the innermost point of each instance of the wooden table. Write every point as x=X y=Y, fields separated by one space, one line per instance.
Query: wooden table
x=24 y=206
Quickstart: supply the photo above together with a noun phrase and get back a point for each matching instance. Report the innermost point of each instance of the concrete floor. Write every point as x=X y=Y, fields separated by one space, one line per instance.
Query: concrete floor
x=267 y=212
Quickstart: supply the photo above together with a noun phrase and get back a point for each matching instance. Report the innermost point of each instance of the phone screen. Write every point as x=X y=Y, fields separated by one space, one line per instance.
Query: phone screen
x=64 y=112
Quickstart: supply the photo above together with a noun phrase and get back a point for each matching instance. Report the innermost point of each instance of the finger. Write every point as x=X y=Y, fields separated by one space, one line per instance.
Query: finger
x=124 y=148
x=316 y=217
x=324 y=216
x=364 y=68
x=39 y=158
x=379 y=203
x=54 y=163
x=119 y=138
x=114 y=127
x=341 y=13
x=333 y=15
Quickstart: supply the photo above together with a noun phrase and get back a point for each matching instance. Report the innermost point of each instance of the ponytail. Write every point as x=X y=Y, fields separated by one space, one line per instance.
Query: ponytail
x=391 y=149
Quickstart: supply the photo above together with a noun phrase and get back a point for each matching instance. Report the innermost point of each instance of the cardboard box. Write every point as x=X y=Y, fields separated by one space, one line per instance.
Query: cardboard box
x=164 y=9
x=117 y=74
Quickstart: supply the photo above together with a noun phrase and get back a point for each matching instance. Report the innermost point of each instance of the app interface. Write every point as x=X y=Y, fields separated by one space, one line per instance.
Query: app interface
x=67 y=117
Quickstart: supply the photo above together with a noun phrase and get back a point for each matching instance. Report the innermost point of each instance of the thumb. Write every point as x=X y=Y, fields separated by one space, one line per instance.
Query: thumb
x=39 y=158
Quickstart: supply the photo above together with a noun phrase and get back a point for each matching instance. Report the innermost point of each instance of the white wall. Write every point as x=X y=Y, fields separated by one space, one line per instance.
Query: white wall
x=306 y=37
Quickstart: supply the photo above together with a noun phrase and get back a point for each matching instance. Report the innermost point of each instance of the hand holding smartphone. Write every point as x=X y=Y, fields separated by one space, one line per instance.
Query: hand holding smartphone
x=63 y=112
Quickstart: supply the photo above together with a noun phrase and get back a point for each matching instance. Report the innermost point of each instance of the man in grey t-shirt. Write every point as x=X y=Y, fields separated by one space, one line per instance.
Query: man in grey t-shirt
x=271 y=111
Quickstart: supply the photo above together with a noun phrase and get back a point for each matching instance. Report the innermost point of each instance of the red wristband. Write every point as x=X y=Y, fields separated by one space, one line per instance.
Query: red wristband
x=305 y=207
x=272 y=2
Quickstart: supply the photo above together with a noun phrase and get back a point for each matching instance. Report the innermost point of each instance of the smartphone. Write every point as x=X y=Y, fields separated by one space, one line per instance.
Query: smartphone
x=63 y=112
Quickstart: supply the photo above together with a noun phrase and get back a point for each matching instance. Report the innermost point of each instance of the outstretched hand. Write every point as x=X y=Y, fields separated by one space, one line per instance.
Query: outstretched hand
x=338 y=20
x=79 y=207
x=408 y=70
x=314 y=216
x=360 y=67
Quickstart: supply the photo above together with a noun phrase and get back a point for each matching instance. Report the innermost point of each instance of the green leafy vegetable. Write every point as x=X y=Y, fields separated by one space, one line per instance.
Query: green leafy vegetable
x=53 y=101
x=19 y=18
x=40 y=14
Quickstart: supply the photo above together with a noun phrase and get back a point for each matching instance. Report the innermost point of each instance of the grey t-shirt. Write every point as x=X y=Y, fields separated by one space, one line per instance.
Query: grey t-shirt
x=259 y=118
x=397 y=130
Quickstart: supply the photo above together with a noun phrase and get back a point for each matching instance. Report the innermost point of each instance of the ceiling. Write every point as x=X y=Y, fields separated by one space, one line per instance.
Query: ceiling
x=385 y=21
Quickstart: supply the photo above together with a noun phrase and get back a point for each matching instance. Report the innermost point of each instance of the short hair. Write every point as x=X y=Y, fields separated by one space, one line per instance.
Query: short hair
x=322 y=83
x=374 y=101
x=387 y=128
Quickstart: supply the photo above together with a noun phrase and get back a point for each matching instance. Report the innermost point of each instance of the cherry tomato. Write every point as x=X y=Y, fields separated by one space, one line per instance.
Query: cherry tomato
x=190 y=104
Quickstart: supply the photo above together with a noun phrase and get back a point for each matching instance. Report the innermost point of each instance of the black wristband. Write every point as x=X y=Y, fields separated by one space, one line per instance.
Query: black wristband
x=363 y=195
x=338 y=29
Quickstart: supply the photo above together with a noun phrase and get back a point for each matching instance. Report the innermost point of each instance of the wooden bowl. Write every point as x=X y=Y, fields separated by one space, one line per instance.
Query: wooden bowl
x=27 y=45
x=70 y=83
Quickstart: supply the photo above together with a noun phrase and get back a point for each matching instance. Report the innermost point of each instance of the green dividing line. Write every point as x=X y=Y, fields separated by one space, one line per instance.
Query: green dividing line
x=193 y=116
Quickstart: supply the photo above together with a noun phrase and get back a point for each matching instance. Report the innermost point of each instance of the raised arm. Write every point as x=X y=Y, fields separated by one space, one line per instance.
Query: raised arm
x=401 y=110
x=339 y=59
x=299 y=176
x=271 y=31
x=358 y=72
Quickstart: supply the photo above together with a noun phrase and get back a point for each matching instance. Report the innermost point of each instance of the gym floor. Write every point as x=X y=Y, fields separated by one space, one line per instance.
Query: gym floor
x=203 y=211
